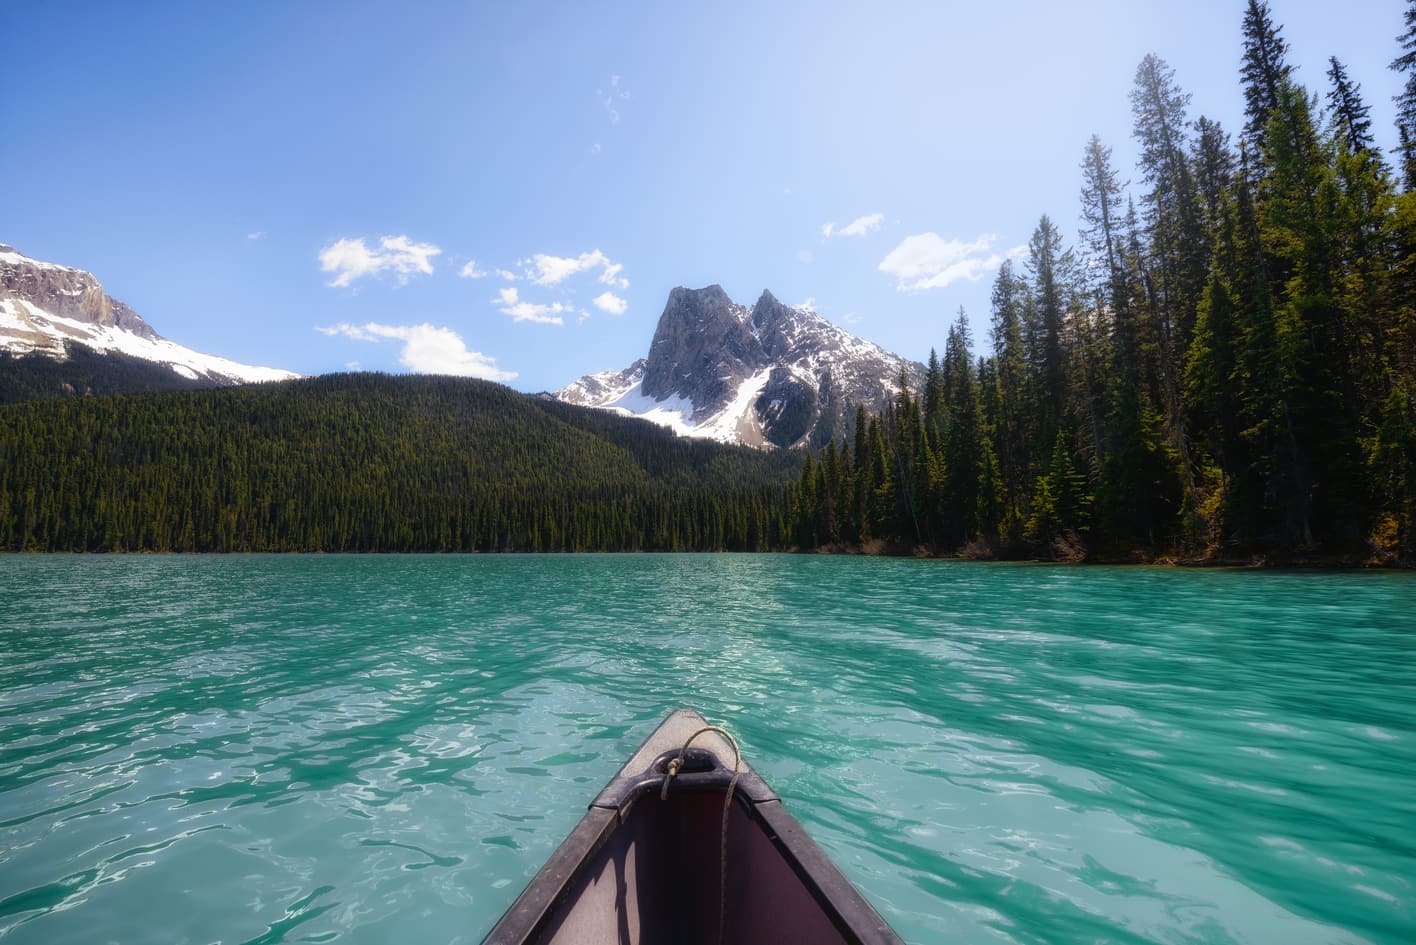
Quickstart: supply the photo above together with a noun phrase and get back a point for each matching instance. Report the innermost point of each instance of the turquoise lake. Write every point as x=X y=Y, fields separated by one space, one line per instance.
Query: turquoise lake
x=385 y=749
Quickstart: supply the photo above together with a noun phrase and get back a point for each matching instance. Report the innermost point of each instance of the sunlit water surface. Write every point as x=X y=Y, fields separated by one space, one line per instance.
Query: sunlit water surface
x=385 y=749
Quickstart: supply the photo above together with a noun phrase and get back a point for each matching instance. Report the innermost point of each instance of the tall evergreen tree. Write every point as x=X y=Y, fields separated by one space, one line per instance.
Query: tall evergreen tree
x=1405 y=64
x=1264 y=71
x=1101 y=212
x=1177 y=240
x=1012 y=421
x=963 y=442
x=1051 y=266
x=1214 y=170
x=1178 y=252
x=1350 y=117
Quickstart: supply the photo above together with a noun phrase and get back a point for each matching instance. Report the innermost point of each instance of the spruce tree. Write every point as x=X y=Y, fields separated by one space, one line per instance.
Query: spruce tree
x=1406 y=100
x=1051 y=266
x=1011 y=422
x=1350 y=117
x=963 y=442
x=1264 y=71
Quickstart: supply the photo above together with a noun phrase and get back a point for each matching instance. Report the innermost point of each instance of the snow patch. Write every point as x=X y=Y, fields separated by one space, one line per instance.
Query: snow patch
x=13 y=258
x=27 y=328
x=671 y=412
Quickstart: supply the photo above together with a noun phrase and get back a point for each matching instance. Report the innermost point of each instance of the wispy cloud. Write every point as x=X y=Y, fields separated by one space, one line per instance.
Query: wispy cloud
x=507 y=274
x=860 y=226
x=611 y=100
x=928 y=261
x=427 y=349
x=470 y=271
x=804 y=257
x=553 y=270
x=352 y=259
x=257 y=235
x=611 y=303
x=522 y=311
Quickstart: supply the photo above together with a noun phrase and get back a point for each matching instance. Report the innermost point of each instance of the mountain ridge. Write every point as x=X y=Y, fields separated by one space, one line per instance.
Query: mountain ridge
x=49 y=310
x=769 y=375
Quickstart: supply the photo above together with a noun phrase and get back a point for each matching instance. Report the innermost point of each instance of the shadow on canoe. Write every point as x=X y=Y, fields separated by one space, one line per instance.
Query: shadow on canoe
x=643 y=867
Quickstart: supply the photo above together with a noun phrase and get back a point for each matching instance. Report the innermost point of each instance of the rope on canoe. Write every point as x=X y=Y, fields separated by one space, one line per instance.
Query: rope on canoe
x=673 y=768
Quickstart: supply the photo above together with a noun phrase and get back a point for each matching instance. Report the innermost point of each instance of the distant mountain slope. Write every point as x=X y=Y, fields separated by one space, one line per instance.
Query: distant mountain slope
x=769 y=375
x=53 y=318
x=372 y=463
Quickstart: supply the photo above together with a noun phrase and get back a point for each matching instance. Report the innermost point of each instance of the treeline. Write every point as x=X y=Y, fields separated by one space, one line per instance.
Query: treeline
x=1224 y=365
x=84 y=372
x=373 y=463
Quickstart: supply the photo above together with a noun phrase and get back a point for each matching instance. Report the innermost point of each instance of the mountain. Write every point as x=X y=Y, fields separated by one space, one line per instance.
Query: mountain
x=368 y=462
x=769 y=375
x=61 y=333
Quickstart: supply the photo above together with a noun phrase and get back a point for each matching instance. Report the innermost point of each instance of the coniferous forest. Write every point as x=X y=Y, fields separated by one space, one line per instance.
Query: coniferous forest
x=1222 y=366
x=373 y=463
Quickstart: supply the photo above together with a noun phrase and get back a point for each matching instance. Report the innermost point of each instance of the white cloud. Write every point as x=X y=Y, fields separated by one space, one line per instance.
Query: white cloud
x=470 y=271
x=353 y=259
x=595 y=148
x=809 y=304
x=553 y=270
x=804 y=257
x=511 y=304
x=507 y=275
x=427 y=349
x=860 y=226
x=609 y=302
x=612 y=98
x=928 y=261
x=258 y=235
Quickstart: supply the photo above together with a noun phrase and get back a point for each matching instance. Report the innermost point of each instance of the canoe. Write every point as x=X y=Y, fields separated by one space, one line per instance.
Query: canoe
x=648 y=863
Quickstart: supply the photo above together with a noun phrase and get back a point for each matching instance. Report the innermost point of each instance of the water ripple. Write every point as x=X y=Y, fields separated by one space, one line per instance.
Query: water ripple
x=370 y=749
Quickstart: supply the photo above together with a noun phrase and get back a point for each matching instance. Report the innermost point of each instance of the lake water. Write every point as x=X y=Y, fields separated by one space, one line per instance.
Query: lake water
x=385 y=749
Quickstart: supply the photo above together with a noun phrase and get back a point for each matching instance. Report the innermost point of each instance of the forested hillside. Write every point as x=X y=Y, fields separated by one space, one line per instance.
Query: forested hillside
x=1224 y=364
x=82 y=373
x=372 y=463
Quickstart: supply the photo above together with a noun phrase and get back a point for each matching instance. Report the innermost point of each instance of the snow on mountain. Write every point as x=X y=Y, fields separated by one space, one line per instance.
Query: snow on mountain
x=45 y=307
x=769 y=375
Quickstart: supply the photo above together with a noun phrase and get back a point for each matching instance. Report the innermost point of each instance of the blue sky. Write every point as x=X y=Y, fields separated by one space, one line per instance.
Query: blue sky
x=304 y=185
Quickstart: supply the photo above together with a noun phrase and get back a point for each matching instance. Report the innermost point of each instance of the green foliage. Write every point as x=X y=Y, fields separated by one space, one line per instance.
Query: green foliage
x=1231 y=370
x=1231 y=374
x=372 y=463
x=83 y=373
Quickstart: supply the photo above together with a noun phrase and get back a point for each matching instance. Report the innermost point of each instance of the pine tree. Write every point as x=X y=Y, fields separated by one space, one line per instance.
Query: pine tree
x=963 y=442
x=1214 y=170
x=1101 y=193
x=1011 y=422
x=934 y=396
x=1406 y=101
x=1350 y=117
x=1051 y=266
x=1264 y=70
x=1178 y=252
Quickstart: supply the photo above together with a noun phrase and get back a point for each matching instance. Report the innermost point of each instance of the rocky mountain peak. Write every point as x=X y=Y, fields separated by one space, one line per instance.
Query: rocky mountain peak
x=66 y=292
x=771 y=375
x=702 y=339
x=45 y=308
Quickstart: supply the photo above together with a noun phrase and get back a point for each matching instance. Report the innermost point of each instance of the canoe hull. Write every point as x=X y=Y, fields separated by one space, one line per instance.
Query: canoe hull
x=638 y=870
